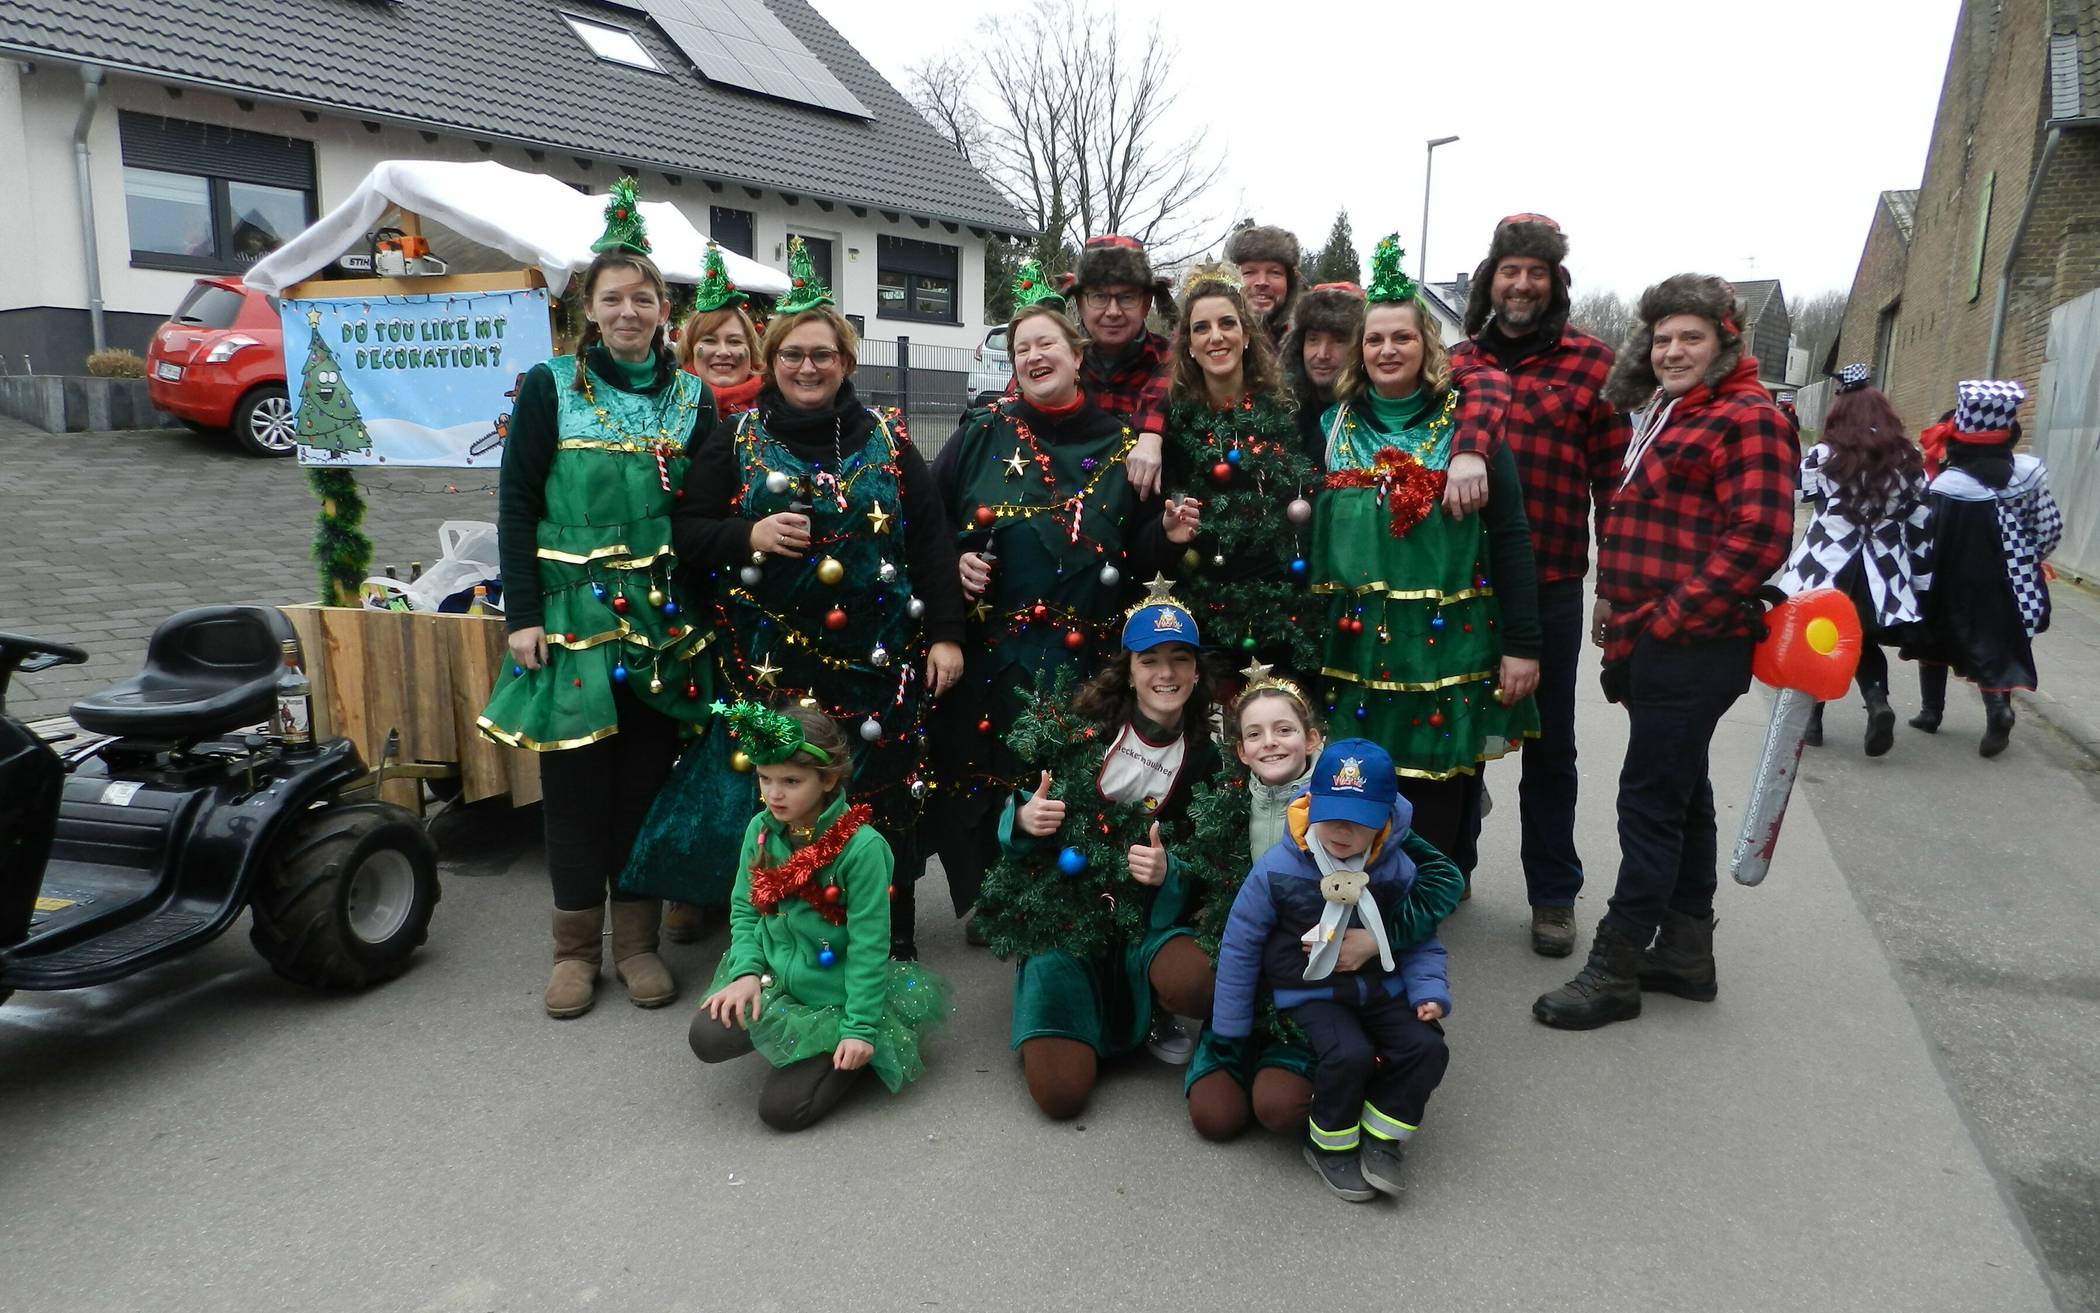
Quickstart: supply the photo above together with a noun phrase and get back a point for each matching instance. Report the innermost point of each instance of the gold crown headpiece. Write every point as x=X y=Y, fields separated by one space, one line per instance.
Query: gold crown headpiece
x=1209 y=271
x=1260 y=681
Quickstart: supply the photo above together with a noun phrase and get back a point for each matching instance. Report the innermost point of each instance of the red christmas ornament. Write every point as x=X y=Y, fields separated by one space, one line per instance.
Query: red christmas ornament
x=798 y=282
x=835 y=620
x=1074 y=639
x=983 y=726
x=1436 y=718
x=1341 y=626
x=620 y=604
x=620 y=213
x=692 y=692
x=831 y=893
x=1221 y=472
x=673 y=632
x=568 y=638
x=579 y=683
x=1356 y=626
x=1038 y=612
x=985 y=517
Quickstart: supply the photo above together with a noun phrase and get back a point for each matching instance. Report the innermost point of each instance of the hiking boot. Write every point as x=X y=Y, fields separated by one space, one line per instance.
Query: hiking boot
x=1812 y=737
x=1927 y=719
x=1379 y=1161
x=578 y=948
x=1341 y=1173
x=1553 y=931
x=1168 y=1040
x=1682 y=960
x=1607 y=989
x=1997 y=724
x=1881 y=722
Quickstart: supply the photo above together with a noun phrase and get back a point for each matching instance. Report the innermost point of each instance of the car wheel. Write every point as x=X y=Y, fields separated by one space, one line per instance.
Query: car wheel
x=347 y=899
x=263 y=422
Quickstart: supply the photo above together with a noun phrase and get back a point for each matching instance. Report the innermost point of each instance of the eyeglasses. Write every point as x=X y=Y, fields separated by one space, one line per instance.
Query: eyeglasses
x=823 y=357
x=1121 y=300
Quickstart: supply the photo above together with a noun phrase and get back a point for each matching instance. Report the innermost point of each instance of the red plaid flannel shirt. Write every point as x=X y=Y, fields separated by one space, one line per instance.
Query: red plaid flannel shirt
x=1483 y=406
x=1568 y=441
x=1136 y=393
x=1705 y=518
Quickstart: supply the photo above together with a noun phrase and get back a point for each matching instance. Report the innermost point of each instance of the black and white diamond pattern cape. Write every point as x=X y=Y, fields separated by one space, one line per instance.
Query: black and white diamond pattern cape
x=1889 y=548
x=2030 y=526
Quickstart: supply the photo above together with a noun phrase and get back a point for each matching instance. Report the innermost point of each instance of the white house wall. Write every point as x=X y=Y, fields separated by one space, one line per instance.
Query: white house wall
x=39 y=212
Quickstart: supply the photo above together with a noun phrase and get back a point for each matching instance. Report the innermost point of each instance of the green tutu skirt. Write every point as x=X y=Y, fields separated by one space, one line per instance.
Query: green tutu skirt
x=787 y=1031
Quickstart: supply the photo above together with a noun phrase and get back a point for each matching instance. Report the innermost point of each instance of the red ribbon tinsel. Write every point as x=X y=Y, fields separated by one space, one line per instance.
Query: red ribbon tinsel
x=1408 y=487
x=796 y=877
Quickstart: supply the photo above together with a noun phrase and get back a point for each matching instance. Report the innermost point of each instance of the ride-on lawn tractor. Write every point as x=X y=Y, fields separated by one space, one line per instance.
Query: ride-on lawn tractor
x=151 y=838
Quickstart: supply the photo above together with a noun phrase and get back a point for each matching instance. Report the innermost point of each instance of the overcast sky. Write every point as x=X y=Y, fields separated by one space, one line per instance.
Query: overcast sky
x=1664 y=135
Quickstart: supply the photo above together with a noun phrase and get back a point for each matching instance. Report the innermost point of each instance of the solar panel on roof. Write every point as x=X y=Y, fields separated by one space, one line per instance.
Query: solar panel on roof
x=742 y=44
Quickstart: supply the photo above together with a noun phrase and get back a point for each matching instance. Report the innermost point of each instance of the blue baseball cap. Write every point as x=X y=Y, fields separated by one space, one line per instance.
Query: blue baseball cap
x=1354 y=781
x=1156 y=623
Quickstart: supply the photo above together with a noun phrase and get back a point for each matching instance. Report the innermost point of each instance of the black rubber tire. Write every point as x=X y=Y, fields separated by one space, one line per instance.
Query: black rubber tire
x=301 y=901
x=265 y=411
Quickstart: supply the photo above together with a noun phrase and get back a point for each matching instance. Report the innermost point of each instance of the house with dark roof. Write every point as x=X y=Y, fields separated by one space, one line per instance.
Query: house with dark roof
x=150 y=141
x=1958 y=278
x=1768 y=331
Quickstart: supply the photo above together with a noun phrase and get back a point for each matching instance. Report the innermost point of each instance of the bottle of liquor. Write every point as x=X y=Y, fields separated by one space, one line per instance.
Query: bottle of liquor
x=415 y=571
x=480 y=604
x=295 y=700
x=390 y=573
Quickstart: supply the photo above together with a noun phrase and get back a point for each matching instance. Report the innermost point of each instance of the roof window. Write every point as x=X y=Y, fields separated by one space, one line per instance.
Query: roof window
x=615 y=44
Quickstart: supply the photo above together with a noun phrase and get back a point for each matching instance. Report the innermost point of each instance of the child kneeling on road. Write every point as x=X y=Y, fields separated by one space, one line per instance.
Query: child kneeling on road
x=1378 y=1052
x=808 y=979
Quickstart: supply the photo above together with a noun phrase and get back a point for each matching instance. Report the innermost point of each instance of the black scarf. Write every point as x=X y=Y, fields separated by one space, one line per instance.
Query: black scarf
x=813 y=434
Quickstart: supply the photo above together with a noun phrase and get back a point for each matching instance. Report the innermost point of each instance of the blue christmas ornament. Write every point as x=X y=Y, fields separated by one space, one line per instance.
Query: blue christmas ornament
x=825 y=957
x=1436 y=622
x=1232 y=457
x=1298 y=566
x=619 y=674
x=1362 y=712
x=1071 y=861
x=517 y=671
x=598 y=591
x=670 y=609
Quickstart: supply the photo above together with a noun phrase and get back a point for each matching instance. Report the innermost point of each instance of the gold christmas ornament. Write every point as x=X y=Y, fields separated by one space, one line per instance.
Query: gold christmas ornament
x=740 y=763
x=829 y=571
x=656 y=597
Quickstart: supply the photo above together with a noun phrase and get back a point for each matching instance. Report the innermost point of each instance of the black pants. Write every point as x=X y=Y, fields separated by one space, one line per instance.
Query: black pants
x=1377 y=1053
x=1447 y=814
x=1552 y=867
x=596 y=798
x=1873 y=667
x=1674 y=694
x=796 y=1096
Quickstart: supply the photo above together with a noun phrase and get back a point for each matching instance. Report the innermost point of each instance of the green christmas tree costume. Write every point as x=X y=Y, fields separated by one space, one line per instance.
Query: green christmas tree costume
x=613 y=608
x=328 y=419
x=1410 y=626
x=818 y=937
x=1245 y=578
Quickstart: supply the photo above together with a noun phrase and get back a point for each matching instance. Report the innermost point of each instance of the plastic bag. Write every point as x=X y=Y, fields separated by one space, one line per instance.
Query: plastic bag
x=466 y=557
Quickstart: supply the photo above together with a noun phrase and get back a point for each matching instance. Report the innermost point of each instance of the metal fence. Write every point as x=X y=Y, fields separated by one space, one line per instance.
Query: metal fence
x=928 y=383
x=1811 y=404
x=2067 y=430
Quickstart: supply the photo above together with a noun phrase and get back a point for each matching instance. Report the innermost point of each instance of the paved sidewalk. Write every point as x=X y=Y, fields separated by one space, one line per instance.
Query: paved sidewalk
x=2068 y=660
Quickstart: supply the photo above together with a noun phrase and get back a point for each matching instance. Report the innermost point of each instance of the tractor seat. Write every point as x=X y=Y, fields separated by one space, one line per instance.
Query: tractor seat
x=208 y=670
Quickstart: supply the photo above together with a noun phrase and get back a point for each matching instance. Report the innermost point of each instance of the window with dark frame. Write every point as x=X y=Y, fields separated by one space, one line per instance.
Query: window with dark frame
x=916 y=280
x=208 y=199
x=733 y=230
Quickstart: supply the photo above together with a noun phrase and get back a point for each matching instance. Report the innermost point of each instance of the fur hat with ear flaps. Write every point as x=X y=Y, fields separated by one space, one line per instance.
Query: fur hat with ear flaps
x=1336 y=308
x=1109 y=259
x=1271 y=243
x=1632 y=381
x=1528 y=237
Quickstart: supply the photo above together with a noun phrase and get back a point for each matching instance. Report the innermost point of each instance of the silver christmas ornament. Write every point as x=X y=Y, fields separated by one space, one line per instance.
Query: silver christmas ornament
x=880 y=657
x=776 y=482
x=1300 y=510
x=1110 y=576
x=887 y=572
x=918 y=788
x=915 y=608
x=751 y=575
x=871 y=729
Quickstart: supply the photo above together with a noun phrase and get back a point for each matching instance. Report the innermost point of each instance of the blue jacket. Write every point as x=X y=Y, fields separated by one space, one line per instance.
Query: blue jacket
x=1281 y=900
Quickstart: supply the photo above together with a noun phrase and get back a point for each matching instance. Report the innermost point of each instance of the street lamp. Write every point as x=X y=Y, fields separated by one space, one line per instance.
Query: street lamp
x=1422 y=255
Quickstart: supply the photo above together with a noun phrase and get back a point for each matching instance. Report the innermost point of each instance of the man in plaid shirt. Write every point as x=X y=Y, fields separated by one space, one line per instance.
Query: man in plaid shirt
x=1126 y=371
x=1702 y=516
x=1568 y=441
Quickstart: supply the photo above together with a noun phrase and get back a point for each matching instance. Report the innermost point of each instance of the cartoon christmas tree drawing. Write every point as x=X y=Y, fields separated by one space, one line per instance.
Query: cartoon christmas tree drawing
x=328 y=418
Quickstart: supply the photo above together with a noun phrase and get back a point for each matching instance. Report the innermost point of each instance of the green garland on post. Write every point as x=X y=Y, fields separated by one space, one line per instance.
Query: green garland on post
x=1030 y=903
x=341 y=549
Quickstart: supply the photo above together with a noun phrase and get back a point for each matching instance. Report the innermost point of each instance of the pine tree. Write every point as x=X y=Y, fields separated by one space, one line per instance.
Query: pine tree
x=328 y=418
x=1337 y=262
x=1001 y=263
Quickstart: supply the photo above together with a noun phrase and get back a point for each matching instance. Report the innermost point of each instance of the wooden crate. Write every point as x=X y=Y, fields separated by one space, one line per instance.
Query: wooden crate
x=425 y=676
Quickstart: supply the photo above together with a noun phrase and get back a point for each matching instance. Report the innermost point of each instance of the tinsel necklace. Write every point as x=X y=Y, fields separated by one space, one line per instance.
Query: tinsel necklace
x=795 y=877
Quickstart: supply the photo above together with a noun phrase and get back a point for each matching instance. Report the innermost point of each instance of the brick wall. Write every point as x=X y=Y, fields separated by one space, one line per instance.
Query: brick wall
x=1875 y=286
x=1985 y=142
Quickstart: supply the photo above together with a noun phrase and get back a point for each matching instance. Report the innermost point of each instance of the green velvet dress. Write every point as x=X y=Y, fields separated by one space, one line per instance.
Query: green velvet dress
x=611 y=602
x=1413 y=651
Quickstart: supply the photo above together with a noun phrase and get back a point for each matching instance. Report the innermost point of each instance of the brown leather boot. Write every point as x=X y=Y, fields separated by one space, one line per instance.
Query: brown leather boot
x=684 y=923
x=648 y=980
x=578 y=948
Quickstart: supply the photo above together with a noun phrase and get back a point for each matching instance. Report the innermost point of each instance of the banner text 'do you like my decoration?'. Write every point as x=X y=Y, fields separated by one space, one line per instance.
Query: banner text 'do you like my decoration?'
x=410 y=380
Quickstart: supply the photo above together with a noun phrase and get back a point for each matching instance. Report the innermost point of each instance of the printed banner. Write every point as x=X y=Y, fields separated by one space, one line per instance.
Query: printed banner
x=425 y=379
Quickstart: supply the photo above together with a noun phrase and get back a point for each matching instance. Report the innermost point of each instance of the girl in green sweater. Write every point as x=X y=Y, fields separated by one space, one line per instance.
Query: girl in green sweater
x=808 y=981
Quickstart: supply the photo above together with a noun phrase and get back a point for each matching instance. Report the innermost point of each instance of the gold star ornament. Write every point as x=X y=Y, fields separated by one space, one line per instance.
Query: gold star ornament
x=879 y=519
x=1015 y=466
x=766 y=672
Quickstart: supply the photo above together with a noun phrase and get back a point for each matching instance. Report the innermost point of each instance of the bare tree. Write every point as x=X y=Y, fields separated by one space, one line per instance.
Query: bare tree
x=1816 y=322
x=1072 y=122
x=1603 y=315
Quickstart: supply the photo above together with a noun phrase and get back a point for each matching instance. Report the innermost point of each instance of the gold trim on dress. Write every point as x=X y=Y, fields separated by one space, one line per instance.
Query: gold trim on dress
x=1387 y=686
x=1402 y=594
x=602 y=553
x=509 y=739
x=1481 y=760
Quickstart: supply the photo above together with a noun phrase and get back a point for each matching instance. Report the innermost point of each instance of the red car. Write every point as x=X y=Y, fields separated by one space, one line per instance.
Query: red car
x=218 y=363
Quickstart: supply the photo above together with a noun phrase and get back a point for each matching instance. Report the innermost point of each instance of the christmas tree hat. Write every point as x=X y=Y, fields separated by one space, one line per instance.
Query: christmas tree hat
x=1389 y=282
x=715 y=290
x=767 y=736
x=1032 y=288
x=623 y=220
x=806 y=293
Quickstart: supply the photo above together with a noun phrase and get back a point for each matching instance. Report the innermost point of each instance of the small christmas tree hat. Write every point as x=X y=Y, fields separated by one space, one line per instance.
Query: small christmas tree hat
x=766 y=736
x=715 y=290
x=623 y=220
x=1389 y=282
x=1032 y=288
x=805 y=292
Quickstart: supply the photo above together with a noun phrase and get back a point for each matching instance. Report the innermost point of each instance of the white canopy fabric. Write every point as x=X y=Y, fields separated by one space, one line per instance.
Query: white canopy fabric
x=529 y=216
